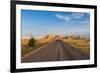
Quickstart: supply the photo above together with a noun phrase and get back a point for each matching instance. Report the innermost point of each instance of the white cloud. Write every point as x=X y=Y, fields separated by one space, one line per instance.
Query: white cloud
x=63 y=17
x=77 y=18
x=77 y=15
x=69 y=17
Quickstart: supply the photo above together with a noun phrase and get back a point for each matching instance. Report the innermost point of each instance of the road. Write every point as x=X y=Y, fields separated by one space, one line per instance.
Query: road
x=55 y=51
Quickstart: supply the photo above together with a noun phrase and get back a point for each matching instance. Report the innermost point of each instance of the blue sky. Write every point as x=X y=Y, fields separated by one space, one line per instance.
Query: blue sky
x=41 y=23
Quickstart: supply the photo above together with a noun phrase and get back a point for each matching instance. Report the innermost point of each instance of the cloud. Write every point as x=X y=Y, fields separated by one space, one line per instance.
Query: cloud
x=63 y=17
x=77 y=15
x=74 y=17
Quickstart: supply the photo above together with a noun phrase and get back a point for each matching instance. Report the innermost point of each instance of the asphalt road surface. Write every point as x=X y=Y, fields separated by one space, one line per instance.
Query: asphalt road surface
x=55 y=51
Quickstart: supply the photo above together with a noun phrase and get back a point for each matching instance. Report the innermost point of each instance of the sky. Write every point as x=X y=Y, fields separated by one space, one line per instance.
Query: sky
x=40 y=23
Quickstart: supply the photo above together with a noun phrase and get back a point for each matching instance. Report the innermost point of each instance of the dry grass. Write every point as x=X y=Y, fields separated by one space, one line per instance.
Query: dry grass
x=80 y=44
x=24 y=41
x=39 y=43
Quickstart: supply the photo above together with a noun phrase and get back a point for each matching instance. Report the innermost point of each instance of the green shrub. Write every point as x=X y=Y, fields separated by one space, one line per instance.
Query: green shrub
x=31 y=42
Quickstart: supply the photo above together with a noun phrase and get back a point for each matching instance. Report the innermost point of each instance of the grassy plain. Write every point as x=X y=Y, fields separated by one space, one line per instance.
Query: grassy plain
x=80 y=44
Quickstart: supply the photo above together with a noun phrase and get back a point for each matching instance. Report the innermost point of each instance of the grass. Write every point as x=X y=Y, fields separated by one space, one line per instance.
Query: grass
x=80 y=44
x=25 y=49
x=39 y=43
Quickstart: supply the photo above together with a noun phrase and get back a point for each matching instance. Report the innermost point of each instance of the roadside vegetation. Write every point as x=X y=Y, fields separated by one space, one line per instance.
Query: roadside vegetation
x=29 y=45
x=79 y=42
